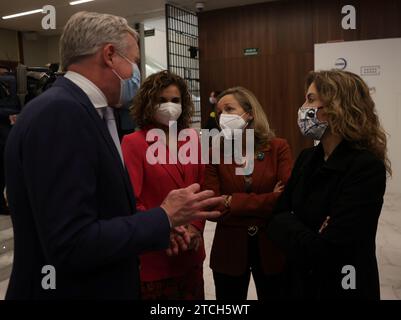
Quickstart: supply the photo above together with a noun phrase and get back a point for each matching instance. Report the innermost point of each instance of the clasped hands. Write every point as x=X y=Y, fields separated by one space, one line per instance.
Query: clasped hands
x=184 y=238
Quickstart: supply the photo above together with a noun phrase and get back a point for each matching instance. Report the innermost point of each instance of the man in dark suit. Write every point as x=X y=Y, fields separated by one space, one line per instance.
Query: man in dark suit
x=9 y=107
x=76 y=230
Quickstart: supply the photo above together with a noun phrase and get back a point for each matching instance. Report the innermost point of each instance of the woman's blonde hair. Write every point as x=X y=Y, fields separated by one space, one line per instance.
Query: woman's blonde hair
x=251 y=105
x=351 y=111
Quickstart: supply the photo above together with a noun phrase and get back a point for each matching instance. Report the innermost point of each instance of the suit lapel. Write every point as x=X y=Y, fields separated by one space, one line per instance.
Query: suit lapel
x=260 y=167
x=237 y=180
x=190 y=173
x=85 y=102
x=174 y=171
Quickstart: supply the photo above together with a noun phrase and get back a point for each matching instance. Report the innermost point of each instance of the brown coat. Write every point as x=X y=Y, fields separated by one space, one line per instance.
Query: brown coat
x=229 y=253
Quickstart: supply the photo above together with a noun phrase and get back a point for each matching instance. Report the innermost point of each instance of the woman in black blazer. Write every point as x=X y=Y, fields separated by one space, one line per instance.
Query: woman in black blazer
x=326 y=219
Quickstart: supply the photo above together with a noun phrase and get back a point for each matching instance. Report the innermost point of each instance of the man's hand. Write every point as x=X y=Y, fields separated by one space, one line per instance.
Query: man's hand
x=179 y=241
x=195 y=236
x=183 y=239
x=185 y=205
x=13 y=118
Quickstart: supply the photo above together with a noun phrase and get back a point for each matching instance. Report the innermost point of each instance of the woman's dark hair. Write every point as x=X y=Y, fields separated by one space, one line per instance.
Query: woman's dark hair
x=147 y=99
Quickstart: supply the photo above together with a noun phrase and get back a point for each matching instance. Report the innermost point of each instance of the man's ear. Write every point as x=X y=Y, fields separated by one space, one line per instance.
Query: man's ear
x=108 y=54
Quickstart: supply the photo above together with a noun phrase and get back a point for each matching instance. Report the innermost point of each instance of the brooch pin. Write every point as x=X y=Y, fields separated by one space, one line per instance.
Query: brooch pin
x=260 y=156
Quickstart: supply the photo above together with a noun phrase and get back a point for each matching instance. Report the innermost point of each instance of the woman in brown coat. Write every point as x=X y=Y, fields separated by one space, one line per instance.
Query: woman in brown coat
x=240 y=245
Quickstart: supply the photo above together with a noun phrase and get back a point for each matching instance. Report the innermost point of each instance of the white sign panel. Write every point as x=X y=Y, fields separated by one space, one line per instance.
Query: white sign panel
x=378 y=62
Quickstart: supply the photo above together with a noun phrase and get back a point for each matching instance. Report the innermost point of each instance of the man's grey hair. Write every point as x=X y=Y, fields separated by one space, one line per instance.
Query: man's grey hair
x=87 y=32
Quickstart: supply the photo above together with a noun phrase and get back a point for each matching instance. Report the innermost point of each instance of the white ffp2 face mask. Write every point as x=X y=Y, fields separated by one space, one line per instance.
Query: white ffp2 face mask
x=230 y=122
x=168 y=111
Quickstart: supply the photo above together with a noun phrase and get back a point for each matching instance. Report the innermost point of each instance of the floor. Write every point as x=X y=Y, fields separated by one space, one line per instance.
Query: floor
x=207 y=272
x=388 y=248
x=388 y=253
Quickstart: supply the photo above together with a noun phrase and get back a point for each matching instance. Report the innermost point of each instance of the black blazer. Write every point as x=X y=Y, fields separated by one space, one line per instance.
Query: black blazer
x=72 y=203
x=349 y=188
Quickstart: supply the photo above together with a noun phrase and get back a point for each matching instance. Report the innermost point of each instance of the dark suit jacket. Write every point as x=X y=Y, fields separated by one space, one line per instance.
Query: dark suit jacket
x=229 y=253
x=126 y=122
x=349 y=188
x=72 y=203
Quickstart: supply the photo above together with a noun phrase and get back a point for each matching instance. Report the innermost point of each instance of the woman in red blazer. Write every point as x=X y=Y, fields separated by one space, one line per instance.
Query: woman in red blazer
x=240 y=245
x=170 y=274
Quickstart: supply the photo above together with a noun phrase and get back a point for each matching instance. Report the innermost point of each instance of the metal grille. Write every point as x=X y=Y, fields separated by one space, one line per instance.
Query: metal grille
x=182 y=50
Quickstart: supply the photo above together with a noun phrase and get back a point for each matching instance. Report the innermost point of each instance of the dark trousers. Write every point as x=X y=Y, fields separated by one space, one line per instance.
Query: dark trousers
x=268 y=287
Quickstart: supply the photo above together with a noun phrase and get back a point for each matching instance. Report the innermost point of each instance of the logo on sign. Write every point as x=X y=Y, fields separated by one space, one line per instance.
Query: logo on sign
x=341 y=64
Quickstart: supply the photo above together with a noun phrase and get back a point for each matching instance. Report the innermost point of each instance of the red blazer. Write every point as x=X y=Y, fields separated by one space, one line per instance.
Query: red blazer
x=229 y=253
x=152 y=183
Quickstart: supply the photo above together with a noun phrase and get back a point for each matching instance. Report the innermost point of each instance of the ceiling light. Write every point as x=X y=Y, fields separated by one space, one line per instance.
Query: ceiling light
x=22 y=14
x=73 y=3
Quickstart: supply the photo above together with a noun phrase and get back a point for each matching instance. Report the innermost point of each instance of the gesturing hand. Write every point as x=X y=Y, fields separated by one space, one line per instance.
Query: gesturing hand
x=185 y=205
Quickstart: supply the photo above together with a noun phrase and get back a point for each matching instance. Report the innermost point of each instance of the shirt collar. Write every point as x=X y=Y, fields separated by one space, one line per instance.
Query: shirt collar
x=95 y=95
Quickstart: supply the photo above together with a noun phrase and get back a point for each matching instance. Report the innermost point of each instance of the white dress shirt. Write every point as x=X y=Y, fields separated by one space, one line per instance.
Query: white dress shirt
x=99 y=101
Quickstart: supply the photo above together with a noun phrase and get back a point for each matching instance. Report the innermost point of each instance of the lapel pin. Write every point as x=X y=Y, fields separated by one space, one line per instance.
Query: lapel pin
x=260 y=156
